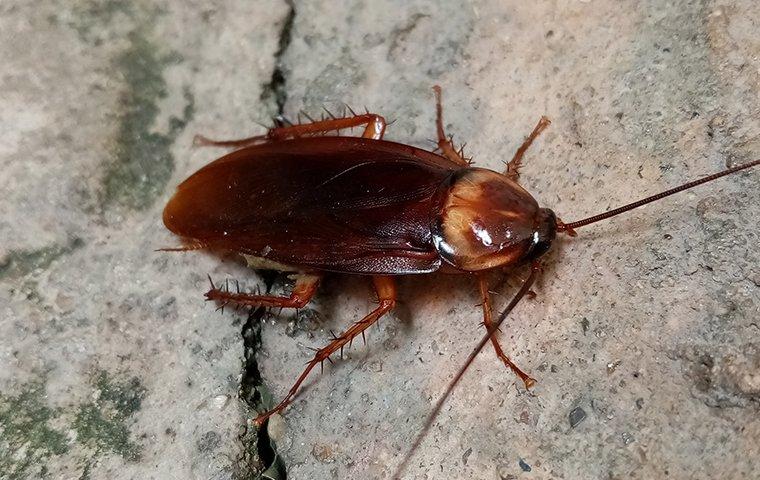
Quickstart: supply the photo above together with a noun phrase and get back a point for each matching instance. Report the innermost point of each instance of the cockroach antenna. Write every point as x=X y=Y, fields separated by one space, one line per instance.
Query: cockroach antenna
x=534 y=271
x=570 y=227
x=267 y=199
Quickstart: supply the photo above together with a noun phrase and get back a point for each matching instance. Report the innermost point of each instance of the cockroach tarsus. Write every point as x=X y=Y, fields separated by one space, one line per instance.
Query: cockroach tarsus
x=298 y=199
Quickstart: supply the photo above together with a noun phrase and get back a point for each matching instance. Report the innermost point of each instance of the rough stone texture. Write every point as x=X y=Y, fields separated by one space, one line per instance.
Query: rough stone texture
x=648 y=323
x=112 y=367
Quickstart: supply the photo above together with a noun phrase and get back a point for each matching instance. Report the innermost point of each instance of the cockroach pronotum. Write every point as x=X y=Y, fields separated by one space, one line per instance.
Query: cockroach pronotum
x=300 y=199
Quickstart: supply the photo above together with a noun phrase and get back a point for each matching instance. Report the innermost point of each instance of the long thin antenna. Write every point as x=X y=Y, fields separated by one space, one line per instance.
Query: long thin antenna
x=569 y=227
x=535 y=268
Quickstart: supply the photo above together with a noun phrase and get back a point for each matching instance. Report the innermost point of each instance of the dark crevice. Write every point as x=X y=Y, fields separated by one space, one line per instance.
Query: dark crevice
x=276 y=88
x=260 y=451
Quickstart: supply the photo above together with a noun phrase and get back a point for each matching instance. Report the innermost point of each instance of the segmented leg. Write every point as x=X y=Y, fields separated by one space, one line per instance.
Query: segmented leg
x=488 y=322
x=304 y=289
x=374 y=128
x=189 y=246
x=534 y=271
x=513 y=167
x=444 y=143
x=386 y=294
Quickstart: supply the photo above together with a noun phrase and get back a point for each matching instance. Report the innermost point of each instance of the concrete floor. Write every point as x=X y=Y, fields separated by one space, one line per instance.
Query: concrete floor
x=644 y=333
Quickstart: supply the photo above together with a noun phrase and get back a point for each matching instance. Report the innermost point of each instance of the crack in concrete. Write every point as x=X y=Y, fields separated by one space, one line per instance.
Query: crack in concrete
x=259 y=450
x=276 y=88
x=258 y=447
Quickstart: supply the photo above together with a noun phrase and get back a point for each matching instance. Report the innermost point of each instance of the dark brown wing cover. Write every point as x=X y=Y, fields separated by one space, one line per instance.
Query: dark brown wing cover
x=328 y=203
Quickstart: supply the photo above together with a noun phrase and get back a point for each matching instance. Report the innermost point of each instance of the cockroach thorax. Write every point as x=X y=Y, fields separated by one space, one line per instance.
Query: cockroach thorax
x=488 y=220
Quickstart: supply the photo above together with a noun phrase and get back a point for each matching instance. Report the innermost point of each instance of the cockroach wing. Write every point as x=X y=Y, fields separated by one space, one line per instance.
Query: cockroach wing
x=339 y=204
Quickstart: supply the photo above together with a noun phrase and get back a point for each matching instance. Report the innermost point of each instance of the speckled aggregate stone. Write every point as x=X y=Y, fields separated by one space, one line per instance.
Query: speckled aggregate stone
x=113 y=367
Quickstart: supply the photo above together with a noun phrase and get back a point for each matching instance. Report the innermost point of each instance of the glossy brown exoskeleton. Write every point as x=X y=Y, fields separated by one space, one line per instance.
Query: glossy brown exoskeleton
x=298 y=200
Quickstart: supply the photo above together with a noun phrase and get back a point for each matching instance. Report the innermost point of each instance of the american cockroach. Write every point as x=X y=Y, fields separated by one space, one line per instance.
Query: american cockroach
x=301 y=199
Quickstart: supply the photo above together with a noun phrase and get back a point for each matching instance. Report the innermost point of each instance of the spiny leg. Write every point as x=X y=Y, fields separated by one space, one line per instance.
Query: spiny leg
x=513 y=167
x=534 y=271
x=444 y=142
x=488 y=322
x=304 y=289
x=374 y=128
x=386 y=294
x=189 y=245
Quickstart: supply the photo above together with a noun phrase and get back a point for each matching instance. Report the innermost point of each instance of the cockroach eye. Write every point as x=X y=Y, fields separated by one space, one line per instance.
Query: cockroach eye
x=544 y=234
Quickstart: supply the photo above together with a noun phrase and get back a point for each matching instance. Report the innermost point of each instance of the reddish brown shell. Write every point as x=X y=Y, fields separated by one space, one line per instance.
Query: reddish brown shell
x=487 y=220
x=340 y=204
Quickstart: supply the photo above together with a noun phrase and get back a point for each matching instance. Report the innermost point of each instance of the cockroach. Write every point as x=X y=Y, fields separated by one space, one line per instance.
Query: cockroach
x=302 y=199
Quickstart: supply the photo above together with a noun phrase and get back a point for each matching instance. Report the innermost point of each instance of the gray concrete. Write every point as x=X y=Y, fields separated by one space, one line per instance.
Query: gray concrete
x=112 y=365
x=644 y=332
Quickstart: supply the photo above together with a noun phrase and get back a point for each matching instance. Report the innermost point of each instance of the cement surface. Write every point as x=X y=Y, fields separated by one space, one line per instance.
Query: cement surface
x=644 y=332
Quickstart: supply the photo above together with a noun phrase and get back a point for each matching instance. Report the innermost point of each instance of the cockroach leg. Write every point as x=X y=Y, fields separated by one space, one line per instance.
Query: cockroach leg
x=490 y=331
x=513 y=167
x=303 y=291
x=488 y=323
x=386 y=293
x=445 y=145
x=374 y=127
x=202 y=141
x=189 y=246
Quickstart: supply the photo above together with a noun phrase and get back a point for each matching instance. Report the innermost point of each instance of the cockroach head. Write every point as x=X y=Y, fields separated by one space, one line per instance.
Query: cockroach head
x=489 y=221
x=544 y=234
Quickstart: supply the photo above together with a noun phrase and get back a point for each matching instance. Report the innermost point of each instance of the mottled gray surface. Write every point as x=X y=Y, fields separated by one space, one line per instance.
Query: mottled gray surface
x=644 y=333
x=112 y=365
